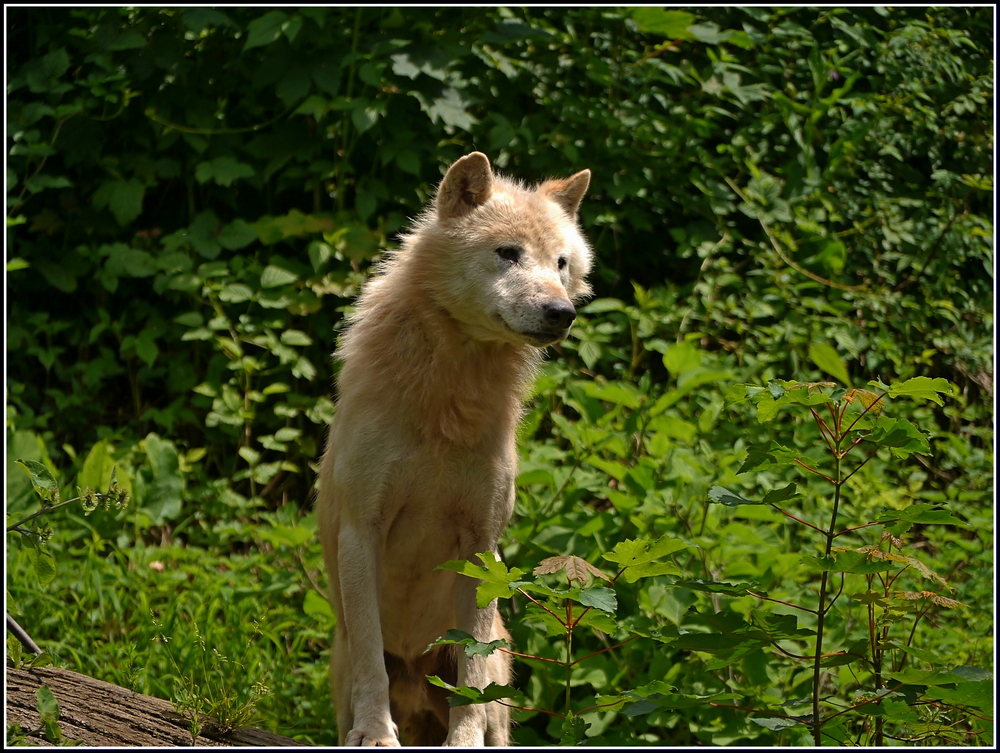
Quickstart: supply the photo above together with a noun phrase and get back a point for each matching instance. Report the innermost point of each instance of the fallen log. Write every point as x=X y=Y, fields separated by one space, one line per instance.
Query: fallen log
x=101 y=714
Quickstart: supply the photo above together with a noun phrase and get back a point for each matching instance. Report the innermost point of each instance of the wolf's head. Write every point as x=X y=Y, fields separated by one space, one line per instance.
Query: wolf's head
x=507 y=262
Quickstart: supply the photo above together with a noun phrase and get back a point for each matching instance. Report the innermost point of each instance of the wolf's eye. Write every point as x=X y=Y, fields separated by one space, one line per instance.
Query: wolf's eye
x=562 y=262
x=509 y=253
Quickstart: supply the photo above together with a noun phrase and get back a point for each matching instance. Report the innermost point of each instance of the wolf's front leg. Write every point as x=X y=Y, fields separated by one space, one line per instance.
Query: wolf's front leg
x=359 y=553
x=467 y=724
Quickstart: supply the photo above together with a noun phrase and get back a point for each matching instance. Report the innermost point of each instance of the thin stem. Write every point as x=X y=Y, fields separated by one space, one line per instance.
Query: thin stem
x=16 y=526
x=877 y=699
x=530 y=656
x=817 y=668
x=603 y=650
x=821 y=610
x=861 y=415
x=779 y=601
x=839 y=592
x=862 y=464
x=798 y=520
x=529 y=708
x=151 y=114
x=824 y=430
x=854 y=444
x=569 y=651
x=537 y=603
x=784 y=257
x=813 y=470
x=855 y=528
x=21 y=635
x=597 y=706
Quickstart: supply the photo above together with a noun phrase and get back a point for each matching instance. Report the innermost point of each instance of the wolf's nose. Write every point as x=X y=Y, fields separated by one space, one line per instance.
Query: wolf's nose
x=559 y=314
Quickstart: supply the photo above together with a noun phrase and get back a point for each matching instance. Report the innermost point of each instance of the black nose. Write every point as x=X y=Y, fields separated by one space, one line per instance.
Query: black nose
x=559 y=314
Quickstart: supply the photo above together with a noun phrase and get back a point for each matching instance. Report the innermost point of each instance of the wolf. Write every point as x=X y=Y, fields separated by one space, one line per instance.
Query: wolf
x=420 y=461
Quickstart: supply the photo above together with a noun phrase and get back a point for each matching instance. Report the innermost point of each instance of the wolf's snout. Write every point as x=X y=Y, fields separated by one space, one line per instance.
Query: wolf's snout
x=559 y=314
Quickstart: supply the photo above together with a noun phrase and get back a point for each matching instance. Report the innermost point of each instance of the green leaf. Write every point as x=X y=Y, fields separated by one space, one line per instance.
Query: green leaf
x=289 y=535
x=273 y=277
x=471 y=645
x=130 y=39
x=574 y=729
x=676 y=428
x=265 y=30
x=921 y=513
x=317 y=606
x=638 y=556
x=235 y=293
x=295 y=337
x=938 y=677
x=849 y=562
x=780 y=495
x=14 y=650
x=672 y=24
x=39 y=183
x=826 y=358
x=464 y=695
x=42 y=562
x=364 y=116
x=900 y=436
x=122 y=197
x=56 y=63
x=730 y=589
x=236 y=235
x=921 y=388
x=42 y=480
x=48 y=707
x=449 y=108
x=163 y=498
x=223 y=170
x=708 y=33
x=681 y=357
x=600 y=597
x=496 y=578
x=977 y=695
x=146 y=348
x=273 y=229
x=767 y=409
x=96 y=471
x=619 y=393
x=775 y=723
x=723 y=496
x=603 y=305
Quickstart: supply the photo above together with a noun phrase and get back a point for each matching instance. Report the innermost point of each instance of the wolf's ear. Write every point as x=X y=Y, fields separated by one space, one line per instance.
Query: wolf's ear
x=568 y=193
x=467 y=184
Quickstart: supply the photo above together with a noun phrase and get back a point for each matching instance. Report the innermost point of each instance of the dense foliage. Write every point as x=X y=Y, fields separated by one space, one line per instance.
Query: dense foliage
x=195 y=195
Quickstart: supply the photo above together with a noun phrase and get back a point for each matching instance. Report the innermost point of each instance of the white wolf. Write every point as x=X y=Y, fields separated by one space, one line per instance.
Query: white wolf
x=420 y=463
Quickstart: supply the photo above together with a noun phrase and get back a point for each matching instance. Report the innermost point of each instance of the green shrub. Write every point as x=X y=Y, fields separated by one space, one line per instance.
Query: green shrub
x=195 y=196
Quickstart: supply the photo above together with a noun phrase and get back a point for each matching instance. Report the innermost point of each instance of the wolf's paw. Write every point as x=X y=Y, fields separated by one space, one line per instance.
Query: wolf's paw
x=386 y=738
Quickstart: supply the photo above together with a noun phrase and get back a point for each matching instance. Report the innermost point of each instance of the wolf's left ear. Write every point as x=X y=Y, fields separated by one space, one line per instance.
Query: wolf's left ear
x=568 y=193
x=467 y=184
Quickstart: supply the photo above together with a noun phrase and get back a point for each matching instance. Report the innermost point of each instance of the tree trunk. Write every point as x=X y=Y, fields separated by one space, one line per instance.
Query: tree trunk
x=101 y=714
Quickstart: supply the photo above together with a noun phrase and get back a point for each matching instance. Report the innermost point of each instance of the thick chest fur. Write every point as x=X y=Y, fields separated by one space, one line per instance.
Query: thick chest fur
x=445 y=507
x=431 y=502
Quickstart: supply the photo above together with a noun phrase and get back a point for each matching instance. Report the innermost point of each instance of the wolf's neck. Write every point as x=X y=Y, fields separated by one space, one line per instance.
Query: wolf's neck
x=450 y=386
x=471 y=388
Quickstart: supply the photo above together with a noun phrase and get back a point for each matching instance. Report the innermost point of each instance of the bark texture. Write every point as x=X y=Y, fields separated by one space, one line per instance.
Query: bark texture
x=101 y=714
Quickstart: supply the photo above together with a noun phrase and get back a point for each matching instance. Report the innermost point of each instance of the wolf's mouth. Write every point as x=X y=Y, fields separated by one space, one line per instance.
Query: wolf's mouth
x=538 y=338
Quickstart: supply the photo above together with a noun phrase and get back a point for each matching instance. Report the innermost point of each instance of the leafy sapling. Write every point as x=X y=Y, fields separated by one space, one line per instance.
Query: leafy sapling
x=853 y=428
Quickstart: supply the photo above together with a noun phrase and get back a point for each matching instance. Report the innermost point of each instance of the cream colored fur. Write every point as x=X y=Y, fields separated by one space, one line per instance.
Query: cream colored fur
x=420 y=463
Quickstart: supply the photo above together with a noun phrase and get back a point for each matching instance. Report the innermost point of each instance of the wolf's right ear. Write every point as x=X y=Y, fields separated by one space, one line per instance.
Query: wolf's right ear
x=467 y=184
x=568 y=193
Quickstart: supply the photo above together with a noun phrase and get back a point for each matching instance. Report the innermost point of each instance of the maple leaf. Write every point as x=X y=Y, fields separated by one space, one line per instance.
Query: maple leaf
x=576 y=568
